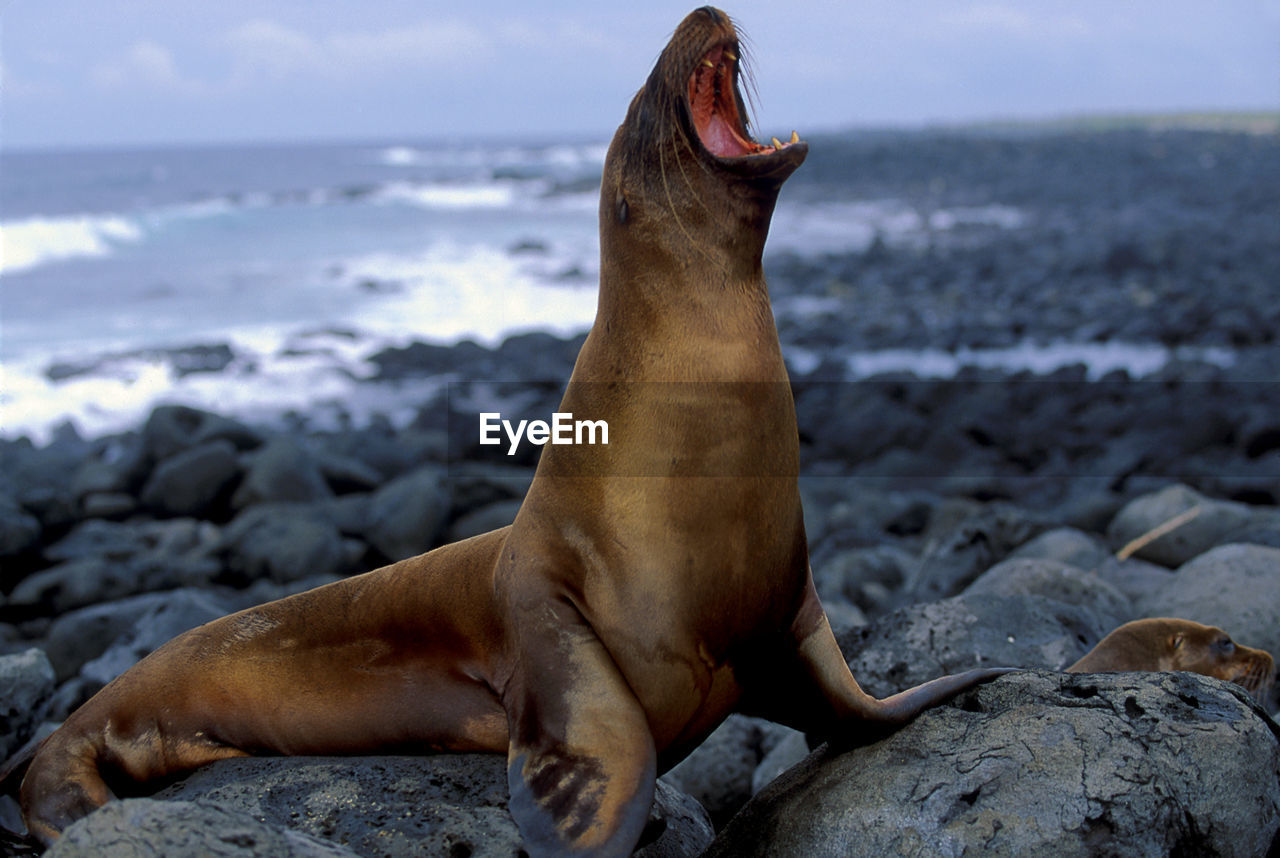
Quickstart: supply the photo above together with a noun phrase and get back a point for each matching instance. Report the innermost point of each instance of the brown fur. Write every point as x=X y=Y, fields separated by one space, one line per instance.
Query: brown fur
x=1164 y=643
x=646 y=589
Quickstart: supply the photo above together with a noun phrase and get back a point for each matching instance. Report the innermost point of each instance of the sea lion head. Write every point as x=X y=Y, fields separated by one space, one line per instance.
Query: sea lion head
x=683 y=180
x=1211 y=651
x=1170 y=643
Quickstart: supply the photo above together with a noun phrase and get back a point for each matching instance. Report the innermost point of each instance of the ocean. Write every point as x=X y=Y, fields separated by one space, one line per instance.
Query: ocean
x=257 y=280
x=298 y=259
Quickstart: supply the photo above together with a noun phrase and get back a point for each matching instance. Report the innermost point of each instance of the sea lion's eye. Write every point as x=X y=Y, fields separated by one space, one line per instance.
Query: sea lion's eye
x=1177 y=641
x=621 y=209
x=1225 y=644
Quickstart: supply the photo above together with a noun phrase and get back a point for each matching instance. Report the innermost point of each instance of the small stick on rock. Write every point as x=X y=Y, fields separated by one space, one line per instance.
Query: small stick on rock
x=1156 y=532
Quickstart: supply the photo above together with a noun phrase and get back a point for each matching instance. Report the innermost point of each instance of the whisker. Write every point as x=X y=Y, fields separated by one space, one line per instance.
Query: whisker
x=747 y=77
x=676 y=137
x=671 y=206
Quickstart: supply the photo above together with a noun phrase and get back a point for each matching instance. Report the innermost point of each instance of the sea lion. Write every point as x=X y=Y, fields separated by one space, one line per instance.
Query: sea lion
x=1165 y=643
x=646 y=588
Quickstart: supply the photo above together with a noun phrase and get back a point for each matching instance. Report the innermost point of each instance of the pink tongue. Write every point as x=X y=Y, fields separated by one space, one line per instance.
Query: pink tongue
x=720 y=140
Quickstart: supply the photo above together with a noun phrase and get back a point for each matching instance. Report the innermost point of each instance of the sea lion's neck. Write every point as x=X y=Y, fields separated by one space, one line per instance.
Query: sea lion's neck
x=711 y=323
x=696 y=261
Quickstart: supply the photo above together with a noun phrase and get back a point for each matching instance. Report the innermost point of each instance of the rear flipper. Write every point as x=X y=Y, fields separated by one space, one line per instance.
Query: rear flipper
x=581 y=765
x=62 y=785
x=65 y=779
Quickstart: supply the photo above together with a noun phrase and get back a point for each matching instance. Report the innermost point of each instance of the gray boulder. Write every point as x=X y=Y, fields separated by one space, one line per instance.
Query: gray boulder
x=445 y=805
x=921 y=642
x=851 y=513
x=793 y=748
x=168 y=617
x=350 y=513
x=284 y=542
x=957 y=555
x=407 y=514
x=81 y=635
x=864 y=577
x=1137 y=579
x=476 y=484
x=718 y=772
x=77 y=583
x=26 y=684
x=282 y=471
x=1214 y=523
x=347 y=473
x=100 y=561
x=111 y=505
x=19 y=530
x=171 y=429
x=1038 y=764
x=114 y=467
x=115 y=540
x=147 y=828
x=1066 y=545
x=1029 y=576
x=188 y=483
x=482 y=520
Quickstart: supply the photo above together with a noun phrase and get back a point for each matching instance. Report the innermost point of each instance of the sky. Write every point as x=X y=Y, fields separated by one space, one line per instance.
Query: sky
x=88 y=73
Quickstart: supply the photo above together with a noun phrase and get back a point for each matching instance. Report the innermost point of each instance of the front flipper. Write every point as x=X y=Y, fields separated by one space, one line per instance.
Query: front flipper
x=581 y=765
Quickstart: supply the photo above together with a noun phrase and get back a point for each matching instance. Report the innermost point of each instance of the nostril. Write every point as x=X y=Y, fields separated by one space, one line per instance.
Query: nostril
x=711 y=12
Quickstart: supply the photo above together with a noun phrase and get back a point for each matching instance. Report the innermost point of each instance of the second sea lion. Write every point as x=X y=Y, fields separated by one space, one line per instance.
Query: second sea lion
x=1167 y=643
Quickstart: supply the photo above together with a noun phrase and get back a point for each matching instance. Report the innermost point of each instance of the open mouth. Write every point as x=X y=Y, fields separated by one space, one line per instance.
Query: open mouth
x=713 y=104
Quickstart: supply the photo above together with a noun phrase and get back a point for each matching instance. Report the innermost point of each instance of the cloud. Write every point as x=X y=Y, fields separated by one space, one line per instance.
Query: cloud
x=1007 y=20
x=553 y=35
x=13 y=86
x=262 y=51
x=265 y=49
x=145 y=64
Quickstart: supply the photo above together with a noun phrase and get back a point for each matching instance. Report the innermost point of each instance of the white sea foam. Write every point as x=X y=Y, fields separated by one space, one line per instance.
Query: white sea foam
x=400 y=156
x=810 y=227
x=488 y=195
x=32 y=405
x=1099 y=359
x=31 y=242
x=310 y=375
x=564 y=156
x=453 y=291
x=1003 y=217
x=577 y=157
x=35 y=241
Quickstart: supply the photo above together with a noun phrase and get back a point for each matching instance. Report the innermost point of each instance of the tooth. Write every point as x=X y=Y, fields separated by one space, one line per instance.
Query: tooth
x=777 y=144
x=707 y=63
x=731 y=55
x=795 y=138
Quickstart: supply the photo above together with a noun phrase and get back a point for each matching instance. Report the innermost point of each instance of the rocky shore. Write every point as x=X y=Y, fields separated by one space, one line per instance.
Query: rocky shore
x=952 y=524
x=994 y=517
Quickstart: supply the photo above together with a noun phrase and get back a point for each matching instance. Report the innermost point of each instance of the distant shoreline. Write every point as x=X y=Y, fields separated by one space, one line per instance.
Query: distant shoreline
x=1238 y=121
x=1249 y=122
